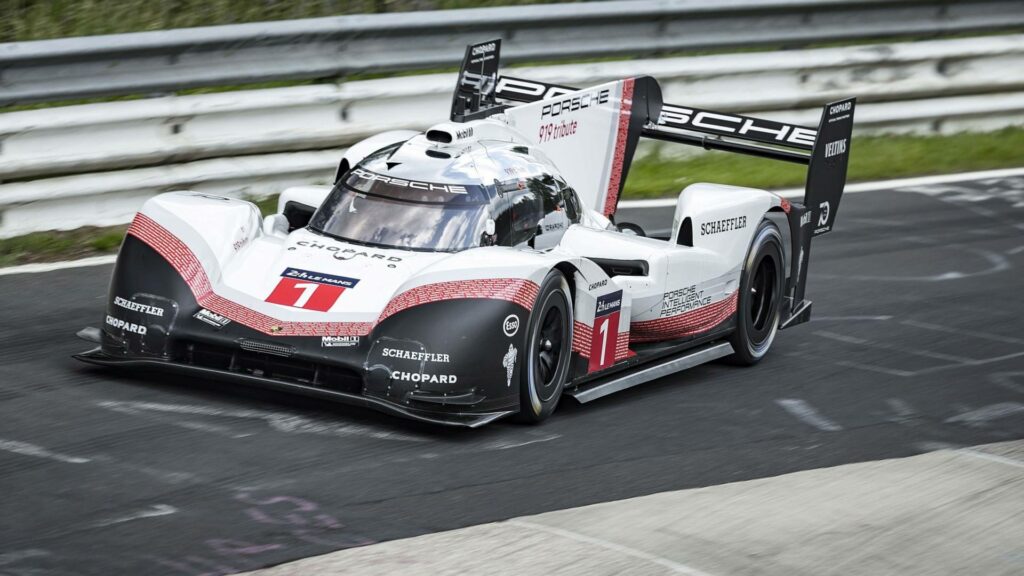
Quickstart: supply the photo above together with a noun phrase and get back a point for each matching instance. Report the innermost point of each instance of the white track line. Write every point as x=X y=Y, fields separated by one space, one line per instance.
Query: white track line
x=151 y=512
x=861 y=186
x=506 y=444
x=992 y=457
x=988 y=413
x=26 y=449
x=671 y=565
x=808 y=414
x=284 y=422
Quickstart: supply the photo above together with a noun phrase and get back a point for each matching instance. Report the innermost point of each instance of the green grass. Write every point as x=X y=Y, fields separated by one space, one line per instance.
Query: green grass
x=26 y=20
x=42 y=19
x=872 y=158
x=266 y=205
x=53 y=246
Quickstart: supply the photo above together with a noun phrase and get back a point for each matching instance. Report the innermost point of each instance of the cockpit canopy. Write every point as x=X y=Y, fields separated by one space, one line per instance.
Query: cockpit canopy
x=418 y=196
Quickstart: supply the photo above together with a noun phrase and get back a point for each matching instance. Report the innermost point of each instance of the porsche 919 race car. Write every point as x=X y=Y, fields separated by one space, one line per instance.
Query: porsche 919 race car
x=475 y=270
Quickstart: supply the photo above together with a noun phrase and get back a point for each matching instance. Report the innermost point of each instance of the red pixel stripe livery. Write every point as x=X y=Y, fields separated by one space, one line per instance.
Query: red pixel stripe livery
x=180 y=257
x=621 y=138
x=686 y=324
x=583 y=342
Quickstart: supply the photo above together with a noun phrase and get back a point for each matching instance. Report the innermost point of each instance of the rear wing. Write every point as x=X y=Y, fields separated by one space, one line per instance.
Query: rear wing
x=824 y=150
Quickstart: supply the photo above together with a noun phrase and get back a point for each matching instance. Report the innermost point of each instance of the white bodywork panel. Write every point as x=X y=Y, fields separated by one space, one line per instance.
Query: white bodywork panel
x=583 y=134
x=361 y=149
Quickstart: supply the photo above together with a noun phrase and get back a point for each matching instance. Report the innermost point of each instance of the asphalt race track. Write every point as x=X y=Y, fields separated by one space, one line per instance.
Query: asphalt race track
x=915 y=344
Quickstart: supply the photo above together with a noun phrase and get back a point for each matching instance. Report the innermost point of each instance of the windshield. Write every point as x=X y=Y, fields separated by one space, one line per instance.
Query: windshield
x=372 y=209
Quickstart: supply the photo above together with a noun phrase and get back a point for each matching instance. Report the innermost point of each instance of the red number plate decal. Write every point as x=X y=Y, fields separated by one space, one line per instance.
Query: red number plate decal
x=605 y=337
x=309 y=290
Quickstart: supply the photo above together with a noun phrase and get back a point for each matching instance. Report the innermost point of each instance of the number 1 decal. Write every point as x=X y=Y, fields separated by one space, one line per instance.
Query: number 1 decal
x=309 y=290
x=605 y=338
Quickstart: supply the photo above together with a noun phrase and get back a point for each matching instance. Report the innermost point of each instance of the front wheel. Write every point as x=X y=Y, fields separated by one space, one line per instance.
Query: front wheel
x=760 y=296
x=549 y=343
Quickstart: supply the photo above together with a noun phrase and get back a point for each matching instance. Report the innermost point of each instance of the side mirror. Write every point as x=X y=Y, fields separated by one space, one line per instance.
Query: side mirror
x=631 y=229
x=276 y=225
x=488 y=238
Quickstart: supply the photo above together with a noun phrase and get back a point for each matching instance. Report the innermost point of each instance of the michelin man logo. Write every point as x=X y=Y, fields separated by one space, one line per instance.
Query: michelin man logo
x=509 y=362
x=823 y=213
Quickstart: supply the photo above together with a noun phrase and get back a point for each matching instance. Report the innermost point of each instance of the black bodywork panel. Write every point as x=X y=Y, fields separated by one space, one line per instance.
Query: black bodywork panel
x=411 y=363
x=442 y=362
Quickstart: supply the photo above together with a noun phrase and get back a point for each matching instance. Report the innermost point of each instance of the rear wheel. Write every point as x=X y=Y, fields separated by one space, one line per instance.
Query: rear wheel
x=760 y=296
x=549 y=343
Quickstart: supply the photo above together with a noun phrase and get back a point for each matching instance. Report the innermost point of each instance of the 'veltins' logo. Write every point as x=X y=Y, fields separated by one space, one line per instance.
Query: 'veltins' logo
x=835 y=148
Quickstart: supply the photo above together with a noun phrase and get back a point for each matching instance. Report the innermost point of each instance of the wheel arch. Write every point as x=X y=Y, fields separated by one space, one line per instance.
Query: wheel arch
x=780 y=217
x=569 y=270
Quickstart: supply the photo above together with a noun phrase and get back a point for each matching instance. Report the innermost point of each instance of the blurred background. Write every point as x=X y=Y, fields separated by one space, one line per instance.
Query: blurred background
x=39 y=20
x=103 y=104
x=882 y=437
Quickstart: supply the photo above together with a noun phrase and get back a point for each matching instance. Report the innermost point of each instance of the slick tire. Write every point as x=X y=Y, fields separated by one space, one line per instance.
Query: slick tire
x=760 y=297
x=548 y=349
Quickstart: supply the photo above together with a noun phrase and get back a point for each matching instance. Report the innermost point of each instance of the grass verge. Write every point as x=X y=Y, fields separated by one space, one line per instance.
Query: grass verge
x=872 y=158
x=60 y=245
x=43 y=19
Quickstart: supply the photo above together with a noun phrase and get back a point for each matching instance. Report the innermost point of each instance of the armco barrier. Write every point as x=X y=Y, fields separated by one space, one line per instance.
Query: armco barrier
x=108 y=136
x=168 y=60
x=95 y=164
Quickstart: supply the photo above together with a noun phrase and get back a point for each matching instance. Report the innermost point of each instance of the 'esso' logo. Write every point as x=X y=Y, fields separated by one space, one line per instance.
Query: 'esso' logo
x=511 y=325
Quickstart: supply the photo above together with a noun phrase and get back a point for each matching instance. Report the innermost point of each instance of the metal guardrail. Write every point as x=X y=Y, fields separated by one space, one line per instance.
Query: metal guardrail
x=115 y=155
x=170 y=60
x=96 y=137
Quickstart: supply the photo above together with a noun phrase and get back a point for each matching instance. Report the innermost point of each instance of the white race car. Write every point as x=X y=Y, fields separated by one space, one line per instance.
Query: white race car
x=475 y=271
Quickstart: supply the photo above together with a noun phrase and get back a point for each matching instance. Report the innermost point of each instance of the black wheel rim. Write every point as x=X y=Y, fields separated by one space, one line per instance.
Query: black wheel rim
x=763 y=300
x=548 y=351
